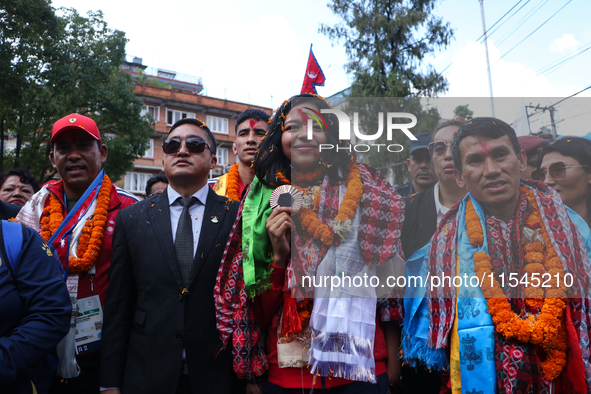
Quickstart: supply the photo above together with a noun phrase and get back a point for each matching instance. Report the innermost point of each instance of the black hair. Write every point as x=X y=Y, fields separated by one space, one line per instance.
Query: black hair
x=198 y=123
x=578 y=148
x=452 y=122
x=251 y=113
x=492 y=128
x=152 y=181
x=270 y=160
x=24 y=176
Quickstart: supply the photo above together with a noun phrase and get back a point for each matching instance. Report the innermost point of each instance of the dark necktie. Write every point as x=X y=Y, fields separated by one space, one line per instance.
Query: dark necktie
x=184 y=240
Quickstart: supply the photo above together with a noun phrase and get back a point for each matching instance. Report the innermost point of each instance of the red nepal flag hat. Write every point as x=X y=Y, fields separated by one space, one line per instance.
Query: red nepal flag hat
x=75 y=121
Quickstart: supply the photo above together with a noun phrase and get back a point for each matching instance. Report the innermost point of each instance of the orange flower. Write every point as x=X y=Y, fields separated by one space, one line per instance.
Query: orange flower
x=91 y=239
x=309 y=219
x=548 y=328
x=233 y=180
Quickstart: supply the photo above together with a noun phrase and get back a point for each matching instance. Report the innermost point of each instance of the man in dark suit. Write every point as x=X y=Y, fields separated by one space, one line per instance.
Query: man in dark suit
x=160 y=331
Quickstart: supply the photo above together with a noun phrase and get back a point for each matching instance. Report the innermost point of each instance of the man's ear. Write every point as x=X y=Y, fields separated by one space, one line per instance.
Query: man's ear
x=459 y=179
x=234 y=148
x=214 y=162
x=104 y=151
x=52 y=158
x=522 y=157
x=408 y=164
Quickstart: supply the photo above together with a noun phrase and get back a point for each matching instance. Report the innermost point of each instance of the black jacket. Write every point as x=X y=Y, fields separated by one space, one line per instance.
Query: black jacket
x=420 y=221
x=148 y=322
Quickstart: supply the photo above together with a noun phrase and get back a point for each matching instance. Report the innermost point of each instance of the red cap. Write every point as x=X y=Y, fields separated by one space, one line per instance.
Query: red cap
x=75 y=121
x=531 y=142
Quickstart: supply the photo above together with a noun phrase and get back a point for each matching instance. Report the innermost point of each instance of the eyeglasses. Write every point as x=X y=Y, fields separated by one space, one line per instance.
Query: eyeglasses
x=194 y=145
x=438 y=148
x=557 y=171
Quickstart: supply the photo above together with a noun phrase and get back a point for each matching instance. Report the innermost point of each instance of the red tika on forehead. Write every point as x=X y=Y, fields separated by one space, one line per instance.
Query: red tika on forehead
x=253 y=123
x=304 y=116
x=485 y=147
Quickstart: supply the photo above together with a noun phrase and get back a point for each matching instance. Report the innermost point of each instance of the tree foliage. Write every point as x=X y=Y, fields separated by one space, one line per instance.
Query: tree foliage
x=386 y=42
x=69 y=65
x=462 y=111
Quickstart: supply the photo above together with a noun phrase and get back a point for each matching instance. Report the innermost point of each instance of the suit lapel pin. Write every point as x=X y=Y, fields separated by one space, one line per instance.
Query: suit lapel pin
x=214 y=219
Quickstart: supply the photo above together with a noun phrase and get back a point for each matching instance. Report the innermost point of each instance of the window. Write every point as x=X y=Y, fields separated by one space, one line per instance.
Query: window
x=217 y=125
x=222 y=155
x=136 y=181
x=10 y=144
x=154 y=112
x=173 y=116
x=150 y=151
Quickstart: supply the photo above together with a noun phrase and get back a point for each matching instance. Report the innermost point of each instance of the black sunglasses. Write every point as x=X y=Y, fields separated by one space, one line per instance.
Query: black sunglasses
x=194 y=145
x=557 y=171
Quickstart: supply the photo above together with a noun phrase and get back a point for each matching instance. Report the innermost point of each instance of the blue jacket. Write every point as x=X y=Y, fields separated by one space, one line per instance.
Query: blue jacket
x=35 y=314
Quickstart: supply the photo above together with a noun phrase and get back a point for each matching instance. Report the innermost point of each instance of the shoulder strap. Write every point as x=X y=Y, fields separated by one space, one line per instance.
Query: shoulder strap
x=11 y=244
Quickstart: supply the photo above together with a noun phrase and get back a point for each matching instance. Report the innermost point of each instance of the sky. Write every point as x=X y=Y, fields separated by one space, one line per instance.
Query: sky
x=256 y=52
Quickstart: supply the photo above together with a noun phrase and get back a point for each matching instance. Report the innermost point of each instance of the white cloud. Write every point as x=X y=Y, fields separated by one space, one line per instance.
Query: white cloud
x=567 y=42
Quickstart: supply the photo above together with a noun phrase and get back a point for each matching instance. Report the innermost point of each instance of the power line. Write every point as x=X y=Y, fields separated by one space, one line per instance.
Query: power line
x=508 y=19
x=546 y=21
x=572 y=95
x=527 y=16
x=566 y=58
x=494 y=24
x=449 y=65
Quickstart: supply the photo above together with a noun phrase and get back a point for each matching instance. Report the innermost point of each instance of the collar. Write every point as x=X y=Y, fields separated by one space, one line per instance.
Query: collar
x=200 y=194
x=439 y=208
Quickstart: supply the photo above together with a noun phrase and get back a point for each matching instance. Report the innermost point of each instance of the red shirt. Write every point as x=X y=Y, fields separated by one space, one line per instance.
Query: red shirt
x=119 y=199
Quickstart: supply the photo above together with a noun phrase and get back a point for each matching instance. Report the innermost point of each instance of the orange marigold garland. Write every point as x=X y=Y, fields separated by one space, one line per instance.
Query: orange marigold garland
x=342 y=222
x=548 y=329
x=91 y=239
x=233 y=180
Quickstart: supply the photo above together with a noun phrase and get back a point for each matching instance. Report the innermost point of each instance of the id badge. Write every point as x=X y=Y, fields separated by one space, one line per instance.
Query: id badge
x=89 y=325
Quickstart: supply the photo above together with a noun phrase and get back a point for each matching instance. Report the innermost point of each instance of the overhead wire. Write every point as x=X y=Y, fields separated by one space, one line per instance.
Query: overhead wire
x=520 y=23
x=546 y=21
x=490 y=30
x=555 y=65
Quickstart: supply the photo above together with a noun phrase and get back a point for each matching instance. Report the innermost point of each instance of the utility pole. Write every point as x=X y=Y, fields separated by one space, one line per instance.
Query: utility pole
x=492 y=103
x=552 y=112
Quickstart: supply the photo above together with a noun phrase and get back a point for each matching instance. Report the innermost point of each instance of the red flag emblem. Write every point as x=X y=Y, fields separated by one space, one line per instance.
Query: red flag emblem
x=314 y=75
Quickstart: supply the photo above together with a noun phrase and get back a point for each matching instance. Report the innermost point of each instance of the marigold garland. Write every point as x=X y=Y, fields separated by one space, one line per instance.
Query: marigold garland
x=304 y=308
x=91 y=239
x=323 y=232
x=548 y=329
x=233 y=180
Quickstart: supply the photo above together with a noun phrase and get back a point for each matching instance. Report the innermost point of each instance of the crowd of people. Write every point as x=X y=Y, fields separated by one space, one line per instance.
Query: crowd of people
x=201 y=288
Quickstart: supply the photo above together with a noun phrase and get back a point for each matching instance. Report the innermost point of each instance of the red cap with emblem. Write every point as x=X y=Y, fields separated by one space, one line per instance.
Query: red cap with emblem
x=75 y=121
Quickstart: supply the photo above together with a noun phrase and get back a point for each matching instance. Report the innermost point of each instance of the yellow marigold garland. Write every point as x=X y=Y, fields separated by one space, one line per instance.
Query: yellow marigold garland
x=91 y=239
x=548 y=329
x=233 y=179
x=322 y=232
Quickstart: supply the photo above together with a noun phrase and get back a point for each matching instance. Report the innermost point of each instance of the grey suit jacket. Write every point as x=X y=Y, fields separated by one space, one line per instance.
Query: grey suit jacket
x=148 y=322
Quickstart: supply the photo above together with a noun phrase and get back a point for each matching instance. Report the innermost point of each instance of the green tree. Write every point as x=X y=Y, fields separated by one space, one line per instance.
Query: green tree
x=79 y=73
x=462 y=111
x=386 y=42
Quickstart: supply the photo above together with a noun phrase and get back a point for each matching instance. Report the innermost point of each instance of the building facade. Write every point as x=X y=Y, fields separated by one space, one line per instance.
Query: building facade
x=168 y=97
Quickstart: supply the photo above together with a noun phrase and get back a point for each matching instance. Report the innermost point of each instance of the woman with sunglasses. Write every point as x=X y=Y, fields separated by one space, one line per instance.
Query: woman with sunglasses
x=565 y=165
x=349 y=223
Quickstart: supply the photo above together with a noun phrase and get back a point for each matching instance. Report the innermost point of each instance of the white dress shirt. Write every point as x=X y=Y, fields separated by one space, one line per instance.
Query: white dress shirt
x=439 y=208
x=196 y=211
